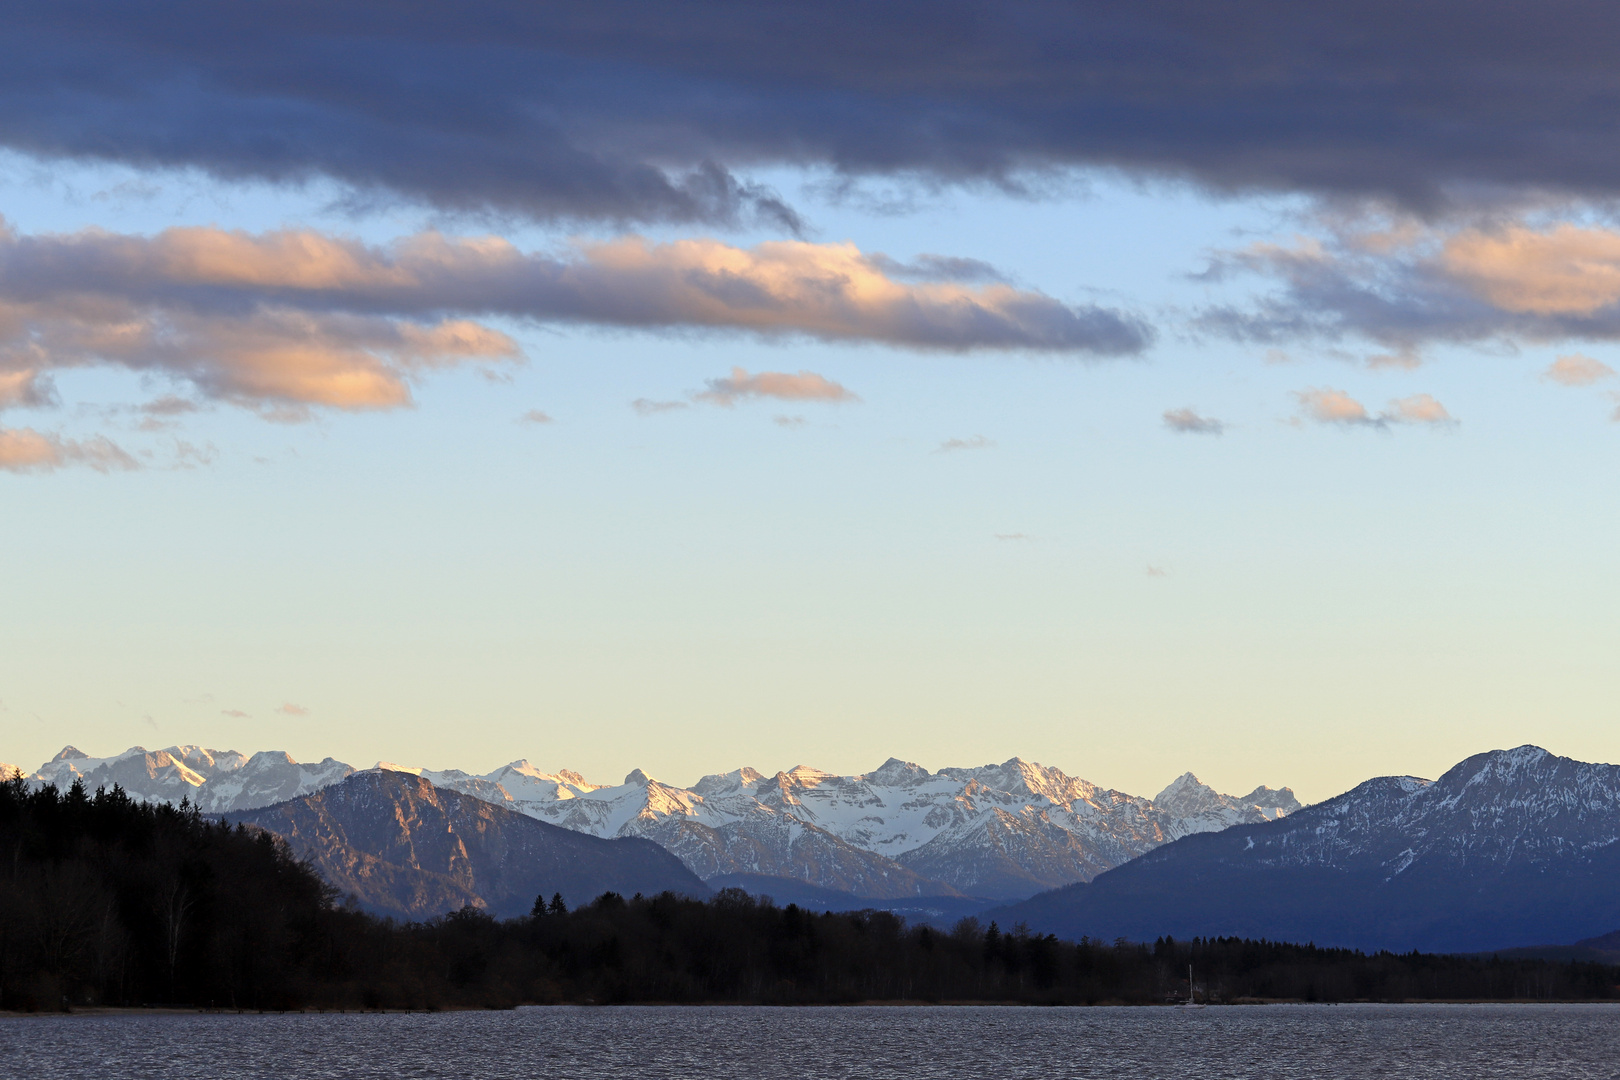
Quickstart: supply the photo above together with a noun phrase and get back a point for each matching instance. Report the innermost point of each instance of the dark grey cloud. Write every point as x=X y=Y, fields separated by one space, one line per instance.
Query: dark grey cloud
x=635 y=111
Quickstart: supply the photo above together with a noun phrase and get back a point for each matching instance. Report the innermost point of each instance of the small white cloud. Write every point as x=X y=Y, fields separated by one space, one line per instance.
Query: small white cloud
x=789 y=421
x=534 y=416
x=1157 y=571
x=1016 y=537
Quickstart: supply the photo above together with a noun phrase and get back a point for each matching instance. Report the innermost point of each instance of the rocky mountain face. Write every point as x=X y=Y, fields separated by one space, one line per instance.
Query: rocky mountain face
x=215 y=781
x=995 y=831
x=405 y=848
x=1508 y=848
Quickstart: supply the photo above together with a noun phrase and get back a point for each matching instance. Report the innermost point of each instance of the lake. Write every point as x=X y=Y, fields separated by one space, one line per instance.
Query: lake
x=1262 y=1042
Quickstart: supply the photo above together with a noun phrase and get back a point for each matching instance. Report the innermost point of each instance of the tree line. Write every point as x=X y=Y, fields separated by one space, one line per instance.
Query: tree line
x=108 y=901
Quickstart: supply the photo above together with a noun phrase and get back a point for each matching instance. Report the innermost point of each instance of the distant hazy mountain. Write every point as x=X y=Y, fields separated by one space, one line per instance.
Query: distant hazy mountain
x=995 y=831
x=1509 y=848
x=404 y=847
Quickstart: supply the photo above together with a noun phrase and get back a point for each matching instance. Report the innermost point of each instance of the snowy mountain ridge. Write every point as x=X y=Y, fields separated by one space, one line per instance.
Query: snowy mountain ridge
x=214 y=781
x=1000 y=831
x=1506 y=849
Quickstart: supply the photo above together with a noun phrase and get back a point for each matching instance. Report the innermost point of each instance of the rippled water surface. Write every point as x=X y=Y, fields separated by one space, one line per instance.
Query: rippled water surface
x=1571 y=1042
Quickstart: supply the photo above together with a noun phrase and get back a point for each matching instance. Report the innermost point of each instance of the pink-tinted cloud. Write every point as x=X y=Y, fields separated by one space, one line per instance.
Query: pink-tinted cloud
x=1418 y=409
x=805 y=386
x=290 y=709
x=24 y=387
x=1577 y=369
x=1566 y=270
x=1329 y=406
x=1333 y=407
x=27 y=450
x=1407 y=285
x=297 y=319
x=535 y=416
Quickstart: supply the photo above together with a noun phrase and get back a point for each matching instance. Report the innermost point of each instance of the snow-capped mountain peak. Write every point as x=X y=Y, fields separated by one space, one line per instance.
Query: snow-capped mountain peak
x=1190 y=799
x=731 y=783
x=897 y=773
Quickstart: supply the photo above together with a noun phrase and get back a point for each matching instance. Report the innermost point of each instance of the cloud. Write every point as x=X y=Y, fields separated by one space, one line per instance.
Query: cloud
x=1408 y=285
x=535 y=416
x=976 y=442
x=1014 y=537
x=1158 y=572
x=805 y=386
x=234 y=713
x=286 y=321
x=24 y=388
x=619 y=111
x=789 y=421
x=648 y=407
x=938 y=268
x=1189 y=422
x=27 y=450
x=1418 y=409
x=1577 y=369
x=169 y=405
x=290 y=709
x=1333 y=407
x=1329 y=406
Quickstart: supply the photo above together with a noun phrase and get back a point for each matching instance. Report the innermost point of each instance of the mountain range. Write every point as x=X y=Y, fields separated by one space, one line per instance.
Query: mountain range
x=1508 y=848
x=898 y=833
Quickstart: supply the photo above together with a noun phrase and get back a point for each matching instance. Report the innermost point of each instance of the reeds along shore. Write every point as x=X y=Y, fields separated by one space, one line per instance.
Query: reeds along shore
x=107 y=902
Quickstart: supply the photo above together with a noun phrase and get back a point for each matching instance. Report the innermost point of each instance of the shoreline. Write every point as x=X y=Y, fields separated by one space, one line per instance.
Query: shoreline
x=174 y=1010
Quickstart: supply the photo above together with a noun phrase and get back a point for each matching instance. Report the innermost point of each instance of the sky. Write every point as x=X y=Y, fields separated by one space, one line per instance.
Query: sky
x=714 y=384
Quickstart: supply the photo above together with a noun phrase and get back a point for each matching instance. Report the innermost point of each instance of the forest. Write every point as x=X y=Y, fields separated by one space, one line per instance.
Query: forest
x=105 y=901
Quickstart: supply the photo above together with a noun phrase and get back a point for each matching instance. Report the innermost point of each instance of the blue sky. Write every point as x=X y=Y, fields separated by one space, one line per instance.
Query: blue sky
x=992 y=551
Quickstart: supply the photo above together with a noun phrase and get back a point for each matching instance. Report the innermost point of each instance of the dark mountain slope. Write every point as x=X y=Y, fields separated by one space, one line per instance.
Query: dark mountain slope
x=1509 y=848
x=404 y=847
